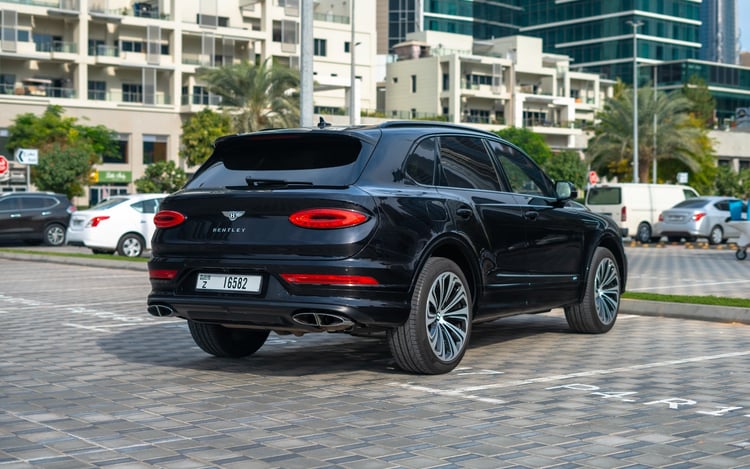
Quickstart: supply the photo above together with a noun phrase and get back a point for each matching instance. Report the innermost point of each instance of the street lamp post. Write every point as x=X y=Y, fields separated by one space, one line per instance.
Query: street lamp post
x=635 y=25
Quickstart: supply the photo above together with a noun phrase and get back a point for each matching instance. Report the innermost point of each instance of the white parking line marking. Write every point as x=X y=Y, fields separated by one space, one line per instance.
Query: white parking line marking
x=464 y=392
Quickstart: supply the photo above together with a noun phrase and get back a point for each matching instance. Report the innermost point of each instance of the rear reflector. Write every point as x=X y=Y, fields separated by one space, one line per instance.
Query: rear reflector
x=327 y=218
x=326 y=279
x=168 y=219
x=163 y=274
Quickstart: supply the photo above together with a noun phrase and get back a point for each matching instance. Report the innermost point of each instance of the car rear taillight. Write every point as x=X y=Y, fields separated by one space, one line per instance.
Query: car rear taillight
x=327 y=279
x=661 y=217
x=168 y=219
x=94 y=222
x=327 y=218
x=624 y=214
x=162 y=274
x=698 y=216
x=71 y=208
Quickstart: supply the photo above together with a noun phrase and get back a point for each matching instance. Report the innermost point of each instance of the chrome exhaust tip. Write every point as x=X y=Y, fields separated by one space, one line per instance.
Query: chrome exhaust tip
x=323 y=321
x=161 y=311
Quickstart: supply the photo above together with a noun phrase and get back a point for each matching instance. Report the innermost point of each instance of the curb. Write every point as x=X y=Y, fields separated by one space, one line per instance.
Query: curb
x=685 y=311
x=627 y=306
x=72 y=260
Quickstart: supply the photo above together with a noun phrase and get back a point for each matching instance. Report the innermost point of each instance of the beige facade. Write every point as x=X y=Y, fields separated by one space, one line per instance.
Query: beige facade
x=131 y=66
x=491 y=84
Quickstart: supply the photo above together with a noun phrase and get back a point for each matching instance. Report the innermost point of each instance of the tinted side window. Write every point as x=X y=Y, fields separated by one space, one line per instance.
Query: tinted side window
x=32 y=203
x=466 y=164
x=9 y=203
x=604 y=196
x=523 y=175
x=420 y=164
x=146 y=206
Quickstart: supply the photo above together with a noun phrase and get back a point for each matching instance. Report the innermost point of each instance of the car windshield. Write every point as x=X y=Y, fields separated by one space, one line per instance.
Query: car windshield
x=109 y=203
x=692 y=203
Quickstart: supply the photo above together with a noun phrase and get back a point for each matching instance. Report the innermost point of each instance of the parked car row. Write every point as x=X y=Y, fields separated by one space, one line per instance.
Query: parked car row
x=650 y=212
x=122 y=224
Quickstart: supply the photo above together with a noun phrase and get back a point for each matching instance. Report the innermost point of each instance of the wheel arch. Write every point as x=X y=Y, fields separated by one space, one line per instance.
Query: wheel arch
x=460 y=251
x=614 y=245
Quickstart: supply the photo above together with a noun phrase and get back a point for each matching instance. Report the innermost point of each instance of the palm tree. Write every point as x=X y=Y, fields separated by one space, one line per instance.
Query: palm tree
x=259 y=96
x=677 y=135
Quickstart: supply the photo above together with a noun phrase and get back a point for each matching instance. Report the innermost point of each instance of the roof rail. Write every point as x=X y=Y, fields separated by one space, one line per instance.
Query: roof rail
x=447 y=125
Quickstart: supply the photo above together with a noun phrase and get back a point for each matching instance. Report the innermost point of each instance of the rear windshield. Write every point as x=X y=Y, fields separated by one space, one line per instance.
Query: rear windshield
x=108 y=203
x=692 y=203
x=604 y=196
x=301 y=159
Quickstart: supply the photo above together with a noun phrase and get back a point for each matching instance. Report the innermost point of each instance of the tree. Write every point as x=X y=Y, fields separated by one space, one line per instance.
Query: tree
x=703 y=104
x=199 y=133
x=259 y=96
x=531 y=143
x=678 y=137
x=161 y=177
x=63 y=168
x=57 y=138
x=567 y=166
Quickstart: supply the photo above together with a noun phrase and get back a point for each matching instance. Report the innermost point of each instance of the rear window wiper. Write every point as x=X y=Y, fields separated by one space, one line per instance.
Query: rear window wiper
x=275 y=183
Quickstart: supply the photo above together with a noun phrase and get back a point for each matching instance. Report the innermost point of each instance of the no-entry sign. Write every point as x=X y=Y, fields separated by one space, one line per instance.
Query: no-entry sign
x=3 y=165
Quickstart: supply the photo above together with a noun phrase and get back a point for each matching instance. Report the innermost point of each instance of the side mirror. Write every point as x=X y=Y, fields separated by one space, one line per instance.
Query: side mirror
x=565 y=190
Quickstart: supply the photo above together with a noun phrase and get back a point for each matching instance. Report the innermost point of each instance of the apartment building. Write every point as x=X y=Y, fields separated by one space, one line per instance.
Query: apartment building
x=131 y=65
x=493 y=83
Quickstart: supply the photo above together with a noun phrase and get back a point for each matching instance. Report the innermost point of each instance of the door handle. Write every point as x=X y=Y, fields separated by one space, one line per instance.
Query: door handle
x=531 y=215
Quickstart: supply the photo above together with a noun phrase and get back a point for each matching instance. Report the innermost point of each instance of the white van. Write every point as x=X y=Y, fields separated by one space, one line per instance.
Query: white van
x=636 y=207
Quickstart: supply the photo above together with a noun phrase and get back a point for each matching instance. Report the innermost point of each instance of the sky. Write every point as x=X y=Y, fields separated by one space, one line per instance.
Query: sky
x=743 y=13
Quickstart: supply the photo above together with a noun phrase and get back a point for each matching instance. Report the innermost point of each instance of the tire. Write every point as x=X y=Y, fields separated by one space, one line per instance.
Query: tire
x=716 y=236
x=54 y=235
x=222 y=341
x=597 y=312
x=131 y=245
x=741 y=254
x=434 y=338
x=644 y=233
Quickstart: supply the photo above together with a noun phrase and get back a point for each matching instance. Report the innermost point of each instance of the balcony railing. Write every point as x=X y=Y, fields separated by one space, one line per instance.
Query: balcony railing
x=71 y=5
x=104 y=51
x=57 y=46
x=331 y=18
x=200 y=100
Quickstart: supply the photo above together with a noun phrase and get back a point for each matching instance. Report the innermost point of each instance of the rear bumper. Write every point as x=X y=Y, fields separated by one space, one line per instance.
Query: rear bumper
x=279 y=315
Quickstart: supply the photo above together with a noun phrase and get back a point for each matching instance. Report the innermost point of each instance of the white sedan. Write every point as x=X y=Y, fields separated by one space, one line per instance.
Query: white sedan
x=123 y=223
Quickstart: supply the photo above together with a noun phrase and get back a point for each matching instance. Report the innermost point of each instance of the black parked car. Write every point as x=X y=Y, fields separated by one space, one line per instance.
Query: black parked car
x=413 y=228
x=34 y=217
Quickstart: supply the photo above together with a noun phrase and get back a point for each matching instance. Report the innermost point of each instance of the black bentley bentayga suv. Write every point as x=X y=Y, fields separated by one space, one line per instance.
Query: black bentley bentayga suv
x=416 y=229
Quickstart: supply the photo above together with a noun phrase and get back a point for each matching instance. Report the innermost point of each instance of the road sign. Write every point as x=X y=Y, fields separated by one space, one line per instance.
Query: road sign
x=593 y=177
x=3 y=165
x=27 y=156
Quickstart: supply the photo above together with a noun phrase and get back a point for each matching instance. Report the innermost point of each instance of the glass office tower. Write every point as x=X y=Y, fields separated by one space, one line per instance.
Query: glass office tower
x=598 y=34
x=720 y=32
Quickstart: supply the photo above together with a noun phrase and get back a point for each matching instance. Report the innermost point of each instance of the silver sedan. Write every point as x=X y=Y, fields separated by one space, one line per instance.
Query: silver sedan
x=700 y=217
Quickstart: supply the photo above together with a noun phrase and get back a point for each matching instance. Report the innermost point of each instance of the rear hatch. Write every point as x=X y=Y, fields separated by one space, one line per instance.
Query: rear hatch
x=252 y=199
x=606 y=200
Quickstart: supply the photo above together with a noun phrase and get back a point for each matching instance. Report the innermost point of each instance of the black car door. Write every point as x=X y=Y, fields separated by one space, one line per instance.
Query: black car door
x=554 y=250
x=488 y=217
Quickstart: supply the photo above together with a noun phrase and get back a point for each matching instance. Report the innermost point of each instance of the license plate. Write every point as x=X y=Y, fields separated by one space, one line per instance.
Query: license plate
x=225 y=282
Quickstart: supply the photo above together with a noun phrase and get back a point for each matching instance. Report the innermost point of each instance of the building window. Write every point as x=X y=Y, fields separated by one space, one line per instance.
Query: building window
x=7 y=83
x=132 y=93
x=413 y=83
x=347 y=47
x=123 y=150
x=154 y=148
x=97 y=90
x=132 y=46
x=446 y=82
x=319 y=47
